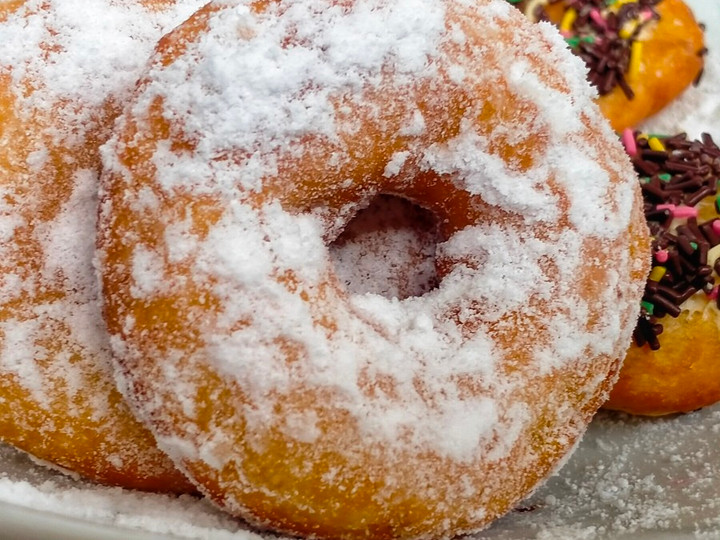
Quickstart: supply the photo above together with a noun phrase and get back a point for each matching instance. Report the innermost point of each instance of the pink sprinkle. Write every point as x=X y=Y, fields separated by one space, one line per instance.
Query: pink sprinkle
x=595 y=15
x=714 y=293
x=645 y=15
x=679 y=211
x=661 y=256
x=716 y=226
x=684 y=212
x=628 y=140
x=566 y=33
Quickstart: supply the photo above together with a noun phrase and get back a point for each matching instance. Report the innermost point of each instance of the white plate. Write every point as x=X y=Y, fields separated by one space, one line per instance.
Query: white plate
x=22 y=523
x=630 y=478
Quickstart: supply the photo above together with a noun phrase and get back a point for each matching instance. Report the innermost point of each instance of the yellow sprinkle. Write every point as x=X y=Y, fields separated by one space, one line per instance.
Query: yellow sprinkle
x=636 y=50
x=628 y=28
x=568 y=20
x=657 y=273
x=655 y=144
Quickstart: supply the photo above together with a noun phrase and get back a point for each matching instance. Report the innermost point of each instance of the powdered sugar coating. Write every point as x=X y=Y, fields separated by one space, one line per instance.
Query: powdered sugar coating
x=64 y=68
x=387 y=249
x=254 y=175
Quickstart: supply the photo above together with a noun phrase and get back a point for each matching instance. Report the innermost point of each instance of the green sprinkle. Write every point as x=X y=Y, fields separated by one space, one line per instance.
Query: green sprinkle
x=514 y=1
x=573 y=41
x=665 y=177
x=717 y=204
x=694 y=245
x=650 y=308
x=644 y=179
x=588 y=39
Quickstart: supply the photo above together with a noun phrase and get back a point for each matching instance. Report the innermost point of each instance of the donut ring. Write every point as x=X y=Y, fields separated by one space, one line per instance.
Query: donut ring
x=57 y=389
x=662 y=51
x=307 y=410
x=673 y=364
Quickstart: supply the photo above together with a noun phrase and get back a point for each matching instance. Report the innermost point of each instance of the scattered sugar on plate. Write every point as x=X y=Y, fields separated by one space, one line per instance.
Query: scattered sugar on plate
x=630 y=478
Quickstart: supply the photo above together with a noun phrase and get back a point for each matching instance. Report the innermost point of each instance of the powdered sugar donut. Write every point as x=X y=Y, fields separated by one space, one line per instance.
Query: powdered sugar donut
x=257 y=132
x=65 y=66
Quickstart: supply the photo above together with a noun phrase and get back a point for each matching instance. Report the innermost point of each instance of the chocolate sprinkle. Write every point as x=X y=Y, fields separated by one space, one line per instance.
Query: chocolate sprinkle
x=672 y=181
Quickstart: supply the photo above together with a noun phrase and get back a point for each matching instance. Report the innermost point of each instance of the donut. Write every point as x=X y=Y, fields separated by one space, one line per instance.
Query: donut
x=640 y=54
x=256 y=133
x=673 y=364
x=65 y=67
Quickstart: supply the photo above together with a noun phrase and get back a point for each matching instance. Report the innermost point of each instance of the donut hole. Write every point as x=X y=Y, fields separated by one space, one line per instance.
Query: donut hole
x=388 y=248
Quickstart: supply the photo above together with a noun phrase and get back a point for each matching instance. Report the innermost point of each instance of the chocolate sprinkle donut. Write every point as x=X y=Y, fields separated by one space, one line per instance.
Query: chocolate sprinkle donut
x=676 y=174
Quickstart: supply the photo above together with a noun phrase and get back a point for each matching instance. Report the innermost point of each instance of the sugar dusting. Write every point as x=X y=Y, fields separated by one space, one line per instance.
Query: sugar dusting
x=270 y=114
x=65 y=59
x=612 y=488
x=63 y=66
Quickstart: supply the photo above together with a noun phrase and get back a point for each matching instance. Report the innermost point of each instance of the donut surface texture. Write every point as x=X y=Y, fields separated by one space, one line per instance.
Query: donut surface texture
x=641 y=54
x=673 y=364
x=256 y=134
x=65 y=66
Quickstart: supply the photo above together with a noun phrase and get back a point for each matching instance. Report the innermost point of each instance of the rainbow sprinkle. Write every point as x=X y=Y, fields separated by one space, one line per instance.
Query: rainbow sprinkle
x=677 y=175
x=655 y=144
x=568 y=19
x=636 y=54
x=628 y=140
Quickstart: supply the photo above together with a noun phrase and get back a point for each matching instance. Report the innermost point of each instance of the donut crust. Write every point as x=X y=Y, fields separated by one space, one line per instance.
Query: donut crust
x=680 y=377
x=672 y=59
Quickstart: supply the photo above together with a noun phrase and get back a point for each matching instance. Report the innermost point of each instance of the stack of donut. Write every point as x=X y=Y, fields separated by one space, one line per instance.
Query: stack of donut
x=255 y=133
x=640 y=55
